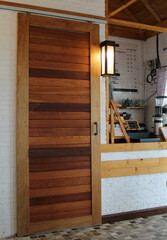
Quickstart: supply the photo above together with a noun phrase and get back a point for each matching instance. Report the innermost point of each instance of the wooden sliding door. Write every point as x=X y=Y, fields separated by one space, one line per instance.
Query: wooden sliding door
x=58 y=148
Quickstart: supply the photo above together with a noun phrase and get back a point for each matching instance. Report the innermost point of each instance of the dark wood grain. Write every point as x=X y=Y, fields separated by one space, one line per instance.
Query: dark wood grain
x=59 y=50
x=59 y=123
x=55 y=160
x=59 y=107
x=54 y=98
x=61 y=207
x=55 y=33
x=59 y=152
x=58 y=82
x=61 y=58
x=49 y=73
x=53 y=41
x=61 y=182
x=59 y=190
x=50 y=132
x=60 y=199
x=35 y=115
x=61 y=215
x=69 y=91
x=60 y=166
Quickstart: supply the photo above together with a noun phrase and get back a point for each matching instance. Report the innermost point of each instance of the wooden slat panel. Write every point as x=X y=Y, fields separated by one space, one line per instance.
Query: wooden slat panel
x=124 y=147
x=58 y=66
x=53 y=208
x=59 y=50
x=62 y=145
x=59 y=41
x=42 y=56
x=59 y=123
x=58 y=191
x=60 y=159
x=61 y=215
x=59 y=90
x=50 y=98
x=60 y=199
x=59 y=107
x=137 y=167
x=60 y=166
x=48 y=132
x=59 y=152
x=61 y=182
x=58 y=82
x=49 y=73
x=59 y=115
x=59 y=174
x=56 y=33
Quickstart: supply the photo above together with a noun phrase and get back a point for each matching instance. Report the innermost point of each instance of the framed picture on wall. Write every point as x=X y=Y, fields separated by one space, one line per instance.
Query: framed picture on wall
x=164 y=132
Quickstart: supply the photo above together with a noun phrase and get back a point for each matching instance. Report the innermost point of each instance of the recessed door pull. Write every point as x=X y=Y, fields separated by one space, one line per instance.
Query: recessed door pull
x=96 y=133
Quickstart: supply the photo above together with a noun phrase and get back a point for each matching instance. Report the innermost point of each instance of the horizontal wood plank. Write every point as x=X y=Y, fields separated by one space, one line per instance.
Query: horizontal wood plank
x=35 y=115
x=50 y=132
x=59 y=50
x=134 y=167
x=59 y=41
x=59 y=90
x=58 y=82
x=59 y=152
x=55 y=160
x=40 y=167
x=61 y=182
x=49 y=73
x=59 y=107
x=61 y=215
x=59 y=174
x=56 y=33
x=126 y=147
x=59 y=123
x=53 y=208
x=58 y=66
x=53 y=98
x=52 y=57
x=59 y=190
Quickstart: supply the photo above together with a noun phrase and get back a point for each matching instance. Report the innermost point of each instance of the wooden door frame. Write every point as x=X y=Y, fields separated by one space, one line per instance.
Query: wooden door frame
x=22 y=124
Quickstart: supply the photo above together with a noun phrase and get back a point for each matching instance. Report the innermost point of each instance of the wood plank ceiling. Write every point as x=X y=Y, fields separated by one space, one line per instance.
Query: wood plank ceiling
x=150 y=12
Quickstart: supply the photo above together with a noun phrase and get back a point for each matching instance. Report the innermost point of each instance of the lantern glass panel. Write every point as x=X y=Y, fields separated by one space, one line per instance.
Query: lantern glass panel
x=110 y=59
x=103 y=60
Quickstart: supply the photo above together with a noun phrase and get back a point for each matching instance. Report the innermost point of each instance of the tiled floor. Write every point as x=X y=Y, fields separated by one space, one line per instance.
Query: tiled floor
x=149 y=228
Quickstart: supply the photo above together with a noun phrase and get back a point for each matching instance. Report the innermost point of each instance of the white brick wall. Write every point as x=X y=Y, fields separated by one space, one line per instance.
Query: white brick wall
x=94 y=7
x=7 y=123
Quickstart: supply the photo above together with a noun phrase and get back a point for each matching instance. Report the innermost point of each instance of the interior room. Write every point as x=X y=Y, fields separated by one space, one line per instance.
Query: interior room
x=83 y=112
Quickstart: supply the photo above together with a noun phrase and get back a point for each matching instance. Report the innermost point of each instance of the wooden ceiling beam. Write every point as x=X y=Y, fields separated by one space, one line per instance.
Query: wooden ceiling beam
x=137 y=25
x=161 y=24
x=121 y=8
x=151 y=10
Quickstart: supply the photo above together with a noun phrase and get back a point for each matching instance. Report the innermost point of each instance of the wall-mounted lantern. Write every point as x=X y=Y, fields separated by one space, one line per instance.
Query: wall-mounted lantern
x=108 y=58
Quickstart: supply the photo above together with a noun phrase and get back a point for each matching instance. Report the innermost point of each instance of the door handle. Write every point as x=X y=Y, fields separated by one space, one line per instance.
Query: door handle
x=97 y=129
